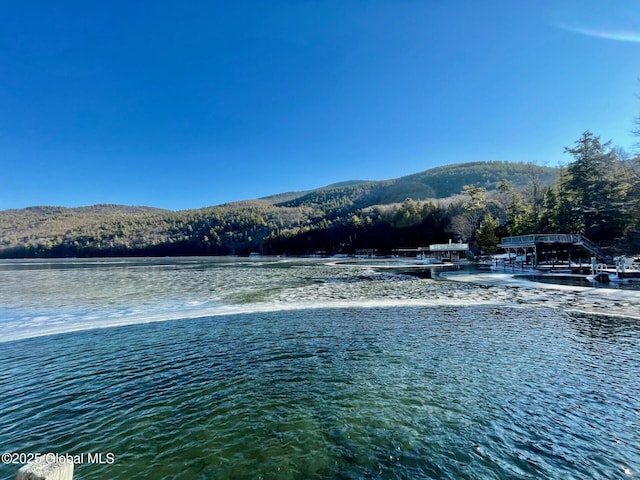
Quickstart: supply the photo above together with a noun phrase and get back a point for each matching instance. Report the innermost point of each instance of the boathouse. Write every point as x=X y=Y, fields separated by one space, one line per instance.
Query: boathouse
x=449 y=252
x=539 y=249
x=441 y=252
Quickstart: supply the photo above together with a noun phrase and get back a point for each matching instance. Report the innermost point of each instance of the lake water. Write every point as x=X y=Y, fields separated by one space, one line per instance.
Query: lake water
x=297 y=369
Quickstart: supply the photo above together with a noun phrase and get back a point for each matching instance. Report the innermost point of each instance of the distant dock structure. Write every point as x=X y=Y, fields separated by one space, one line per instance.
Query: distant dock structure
x=538 y=249
x=441 y=252
x=449 y=252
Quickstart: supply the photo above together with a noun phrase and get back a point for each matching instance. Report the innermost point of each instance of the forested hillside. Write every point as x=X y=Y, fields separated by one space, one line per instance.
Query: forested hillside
x=110 y=230
x=474 y=202
x=277 y=224
x=439 y=182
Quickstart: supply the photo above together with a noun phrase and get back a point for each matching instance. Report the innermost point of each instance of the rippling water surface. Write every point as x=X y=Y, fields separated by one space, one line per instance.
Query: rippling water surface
x=401 y=377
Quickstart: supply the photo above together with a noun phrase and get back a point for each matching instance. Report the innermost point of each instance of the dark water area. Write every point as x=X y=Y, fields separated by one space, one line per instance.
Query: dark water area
x=580 y=281
x=440 y=392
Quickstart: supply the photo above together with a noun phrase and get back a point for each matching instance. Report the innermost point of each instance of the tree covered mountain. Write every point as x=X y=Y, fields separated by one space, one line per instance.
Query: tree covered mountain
x=435 y=183
x=426 y=207
x=294 y=222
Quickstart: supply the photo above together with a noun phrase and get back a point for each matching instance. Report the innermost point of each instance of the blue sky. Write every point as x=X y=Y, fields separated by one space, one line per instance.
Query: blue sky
x=189 y=104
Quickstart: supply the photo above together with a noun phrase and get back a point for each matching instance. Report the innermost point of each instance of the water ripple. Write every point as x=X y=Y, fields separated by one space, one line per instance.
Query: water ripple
x=435 y=379
x=446 y=392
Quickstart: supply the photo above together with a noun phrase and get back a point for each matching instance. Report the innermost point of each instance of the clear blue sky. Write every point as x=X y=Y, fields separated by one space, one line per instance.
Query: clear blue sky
x=189 y=104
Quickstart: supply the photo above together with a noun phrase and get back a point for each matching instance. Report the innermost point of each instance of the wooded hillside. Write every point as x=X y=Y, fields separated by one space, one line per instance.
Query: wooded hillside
x=464 y=201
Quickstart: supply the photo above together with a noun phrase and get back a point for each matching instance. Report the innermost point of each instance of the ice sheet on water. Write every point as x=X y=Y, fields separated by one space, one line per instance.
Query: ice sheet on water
x=39 y=302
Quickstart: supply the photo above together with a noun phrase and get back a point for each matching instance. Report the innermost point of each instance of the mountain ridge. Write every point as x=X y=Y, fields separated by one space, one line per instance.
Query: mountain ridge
x=241 y=226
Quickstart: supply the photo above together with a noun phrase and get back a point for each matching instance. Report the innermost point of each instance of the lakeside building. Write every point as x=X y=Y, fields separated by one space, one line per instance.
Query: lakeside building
x=442 y=252
x=449 y=252
x=550 y=249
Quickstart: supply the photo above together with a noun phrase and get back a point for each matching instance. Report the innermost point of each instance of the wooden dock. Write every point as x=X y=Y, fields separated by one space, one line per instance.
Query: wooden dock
x=550 y=249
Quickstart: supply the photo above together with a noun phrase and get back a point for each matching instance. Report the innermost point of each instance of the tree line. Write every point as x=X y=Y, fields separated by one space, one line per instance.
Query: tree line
x=597 y=194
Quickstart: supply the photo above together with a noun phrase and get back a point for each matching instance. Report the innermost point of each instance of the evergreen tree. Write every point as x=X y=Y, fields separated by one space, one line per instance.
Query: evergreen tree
x=486 y=237
x=476 y=207
x=548 y=220
x=593 y=191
